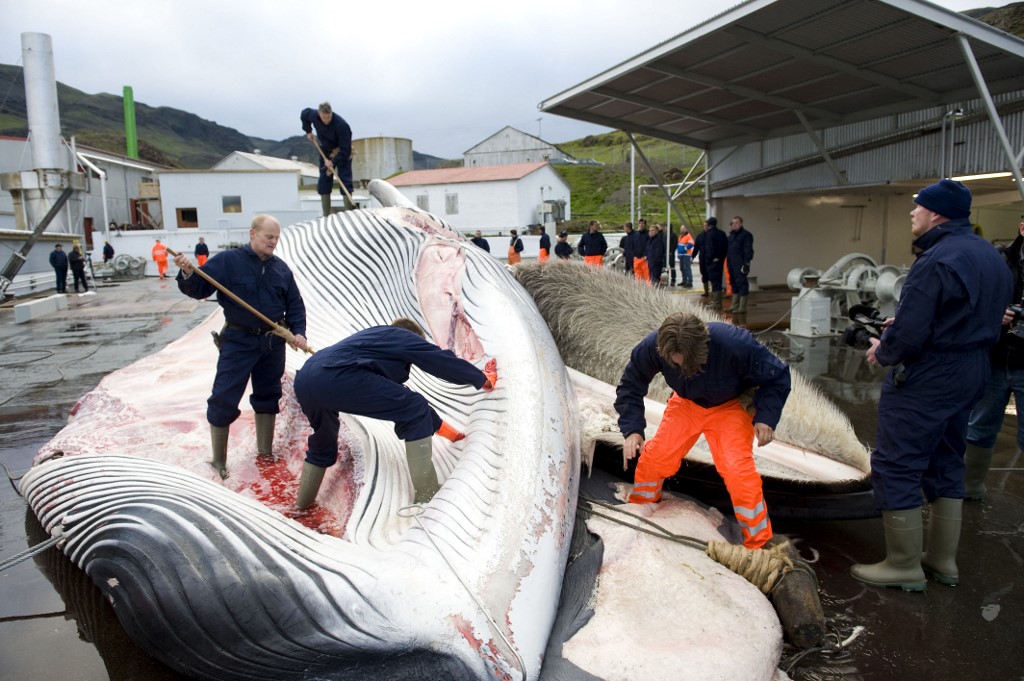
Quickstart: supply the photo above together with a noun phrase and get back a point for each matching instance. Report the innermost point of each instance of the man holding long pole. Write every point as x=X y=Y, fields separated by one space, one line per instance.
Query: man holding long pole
x=249 y=347
x=334 y=142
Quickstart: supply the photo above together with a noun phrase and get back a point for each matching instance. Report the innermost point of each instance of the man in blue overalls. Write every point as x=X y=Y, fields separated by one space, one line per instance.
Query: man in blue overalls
x=335 y=139
x=247 y=346
x=949 y=315
x=364 y=375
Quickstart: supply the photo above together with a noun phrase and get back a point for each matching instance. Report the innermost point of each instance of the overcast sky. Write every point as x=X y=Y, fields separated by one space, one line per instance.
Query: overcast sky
x=446 y=74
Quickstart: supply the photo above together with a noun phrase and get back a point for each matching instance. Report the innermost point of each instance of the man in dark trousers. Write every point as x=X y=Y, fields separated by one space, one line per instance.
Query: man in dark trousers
x=77 y=262
x=712 y=255
x=949 y=315
x=708 y=366
x=59 y=263
x=626 y=244
x=740 y=253
x=108 y=252
x=592 y=245
x=248 y=348
x=335 y=139
x=364 y=375
x=698 y=246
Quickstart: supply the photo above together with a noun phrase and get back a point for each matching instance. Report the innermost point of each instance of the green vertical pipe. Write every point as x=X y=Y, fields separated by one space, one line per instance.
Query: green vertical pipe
x=131 y=138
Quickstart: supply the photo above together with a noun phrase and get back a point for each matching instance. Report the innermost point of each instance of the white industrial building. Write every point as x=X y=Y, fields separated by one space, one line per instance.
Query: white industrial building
x=511 y=146
x=492 y=199
x=244 y=160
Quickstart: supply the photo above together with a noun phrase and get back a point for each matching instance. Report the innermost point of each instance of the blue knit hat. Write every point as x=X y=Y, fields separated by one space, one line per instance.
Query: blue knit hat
x=948 y=198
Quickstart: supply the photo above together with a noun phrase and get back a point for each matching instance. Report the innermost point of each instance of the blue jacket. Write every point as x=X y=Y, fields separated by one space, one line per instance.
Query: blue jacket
x=736 y=363
x=563 y=250
x=335 y=138
x=592 y=244
x=714 y=247
x=58 y=259
x=740 y=248
x=267 y=285
x=626 y=244
x=481 y=242
x=389 y=351
x=545 y=242
x=640 y=240
x=952 y=300
x=656 y=252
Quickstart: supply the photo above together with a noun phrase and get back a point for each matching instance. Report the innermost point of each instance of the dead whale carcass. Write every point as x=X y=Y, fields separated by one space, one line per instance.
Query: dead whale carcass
x=212 y=578
x=596 y=317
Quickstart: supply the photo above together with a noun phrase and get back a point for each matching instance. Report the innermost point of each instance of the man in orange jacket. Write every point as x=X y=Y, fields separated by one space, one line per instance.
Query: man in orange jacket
x=160 y=256
x=708 y=366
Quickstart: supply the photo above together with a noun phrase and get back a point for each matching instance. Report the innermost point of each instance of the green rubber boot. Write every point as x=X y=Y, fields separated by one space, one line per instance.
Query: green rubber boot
x=219 y=442
x=309 y=485
x=265 y=434
x=716 y=300
x=325 y=204
x=421 y=469
x=939 y=562
x=977 y=460
x=741 y=305
x=902 y=564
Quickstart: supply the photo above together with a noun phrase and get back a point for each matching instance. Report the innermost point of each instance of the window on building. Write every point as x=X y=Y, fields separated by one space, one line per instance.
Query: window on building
x=451 y=204
x=187 y=217
x=232 y=204
x=423 y=202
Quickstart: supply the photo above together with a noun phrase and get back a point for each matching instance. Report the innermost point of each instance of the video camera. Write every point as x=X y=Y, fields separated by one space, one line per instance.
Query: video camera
x=868 y=324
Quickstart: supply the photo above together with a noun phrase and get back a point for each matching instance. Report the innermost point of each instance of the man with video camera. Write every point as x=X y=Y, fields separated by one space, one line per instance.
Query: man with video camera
x=948 y=318
x=1007 y=376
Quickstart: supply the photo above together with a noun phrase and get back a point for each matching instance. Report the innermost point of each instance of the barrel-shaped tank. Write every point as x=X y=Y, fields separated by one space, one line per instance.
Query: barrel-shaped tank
x=380 y=157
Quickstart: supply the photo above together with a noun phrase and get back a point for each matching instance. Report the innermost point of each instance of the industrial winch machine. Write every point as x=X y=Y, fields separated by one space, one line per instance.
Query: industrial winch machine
x=823 y=305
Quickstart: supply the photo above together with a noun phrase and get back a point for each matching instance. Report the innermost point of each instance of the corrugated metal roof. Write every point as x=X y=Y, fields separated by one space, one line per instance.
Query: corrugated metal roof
x=743 y=74
x=512 y=171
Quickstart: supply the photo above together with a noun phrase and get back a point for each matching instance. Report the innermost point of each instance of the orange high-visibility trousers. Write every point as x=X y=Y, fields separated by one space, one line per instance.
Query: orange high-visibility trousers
x=201 y=260
x=543 y=256
x=513 y=257
x=729 y=430
x=594 y=260
x=641 y=271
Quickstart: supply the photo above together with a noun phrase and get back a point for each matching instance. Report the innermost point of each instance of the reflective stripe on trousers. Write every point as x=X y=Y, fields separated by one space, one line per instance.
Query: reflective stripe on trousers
x=646 y=492
x=729 y=430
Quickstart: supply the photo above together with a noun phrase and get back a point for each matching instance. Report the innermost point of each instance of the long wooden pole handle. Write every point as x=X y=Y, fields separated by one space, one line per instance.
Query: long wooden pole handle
x=333 y=171
x=275 y=328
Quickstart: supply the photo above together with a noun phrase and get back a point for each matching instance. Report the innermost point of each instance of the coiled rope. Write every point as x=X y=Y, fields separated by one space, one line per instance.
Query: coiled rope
x=764 y=568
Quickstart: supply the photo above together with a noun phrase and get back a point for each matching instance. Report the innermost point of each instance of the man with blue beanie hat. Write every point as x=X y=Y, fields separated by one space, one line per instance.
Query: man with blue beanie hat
x=949 y=315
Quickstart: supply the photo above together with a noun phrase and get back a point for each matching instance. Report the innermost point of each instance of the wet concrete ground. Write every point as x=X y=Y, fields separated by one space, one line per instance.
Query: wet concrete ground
x=54 y=624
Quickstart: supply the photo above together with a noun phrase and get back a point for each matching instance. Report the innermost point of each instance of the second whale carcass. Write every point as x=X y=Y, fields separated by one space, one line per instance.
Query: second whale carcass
x=219 y=580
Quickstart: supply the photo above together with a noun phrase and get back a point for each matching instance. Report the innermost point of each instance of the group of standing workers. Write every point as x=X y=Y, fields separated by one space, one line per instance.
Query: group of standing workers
x=61 y=261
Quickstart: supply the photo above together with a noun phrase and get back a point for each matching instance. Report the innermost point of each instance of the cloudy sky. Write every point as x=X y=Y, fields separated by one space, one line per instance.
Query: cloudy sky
x=445 y=74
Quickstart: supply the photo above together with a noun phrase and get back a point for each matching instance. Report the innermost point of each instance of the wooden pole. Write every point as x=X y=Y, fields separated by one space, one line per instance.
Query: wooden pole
x=334 y=171
x=275 y=328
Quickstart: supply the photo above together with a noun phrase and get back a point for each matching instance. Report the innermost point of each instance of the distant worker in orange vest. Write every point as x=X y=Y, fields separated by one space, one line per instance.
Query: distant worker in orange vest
x=708 y=366
x=592 y=246
x=515 y=249
x=545 y=246
x=202 y=252
x=160 y=256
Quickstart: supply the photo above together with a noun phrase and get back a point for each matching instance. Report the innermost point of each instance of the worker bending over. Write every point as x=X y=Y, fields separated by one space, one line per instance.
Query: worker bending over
x=363 y=375
x=708 y=366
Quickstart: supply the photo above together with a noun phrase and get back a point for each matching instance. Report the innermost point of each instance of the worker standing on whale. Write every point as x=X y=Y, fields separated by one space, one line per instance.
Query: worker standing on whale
x=708 y=366
x=248 y=348
x=334 y=136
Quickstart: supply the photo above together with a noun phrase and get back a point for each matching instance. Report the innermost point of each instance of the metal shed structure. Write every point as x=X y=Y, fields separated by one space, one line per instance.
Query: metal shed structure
x=831 y=97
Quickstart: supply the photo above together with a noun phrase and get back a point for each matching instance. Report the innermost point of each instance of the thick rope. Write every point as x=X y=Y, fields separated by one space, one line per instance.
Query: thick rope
x=764 y=568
